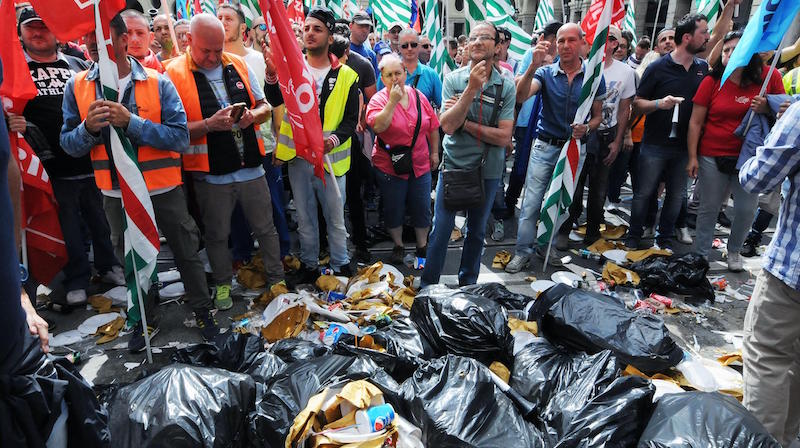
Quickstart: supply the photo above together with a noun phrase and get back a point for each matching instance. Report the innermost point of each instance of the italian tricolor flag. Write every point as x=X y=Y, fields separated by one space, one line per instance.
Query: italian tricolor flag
x=565 y=174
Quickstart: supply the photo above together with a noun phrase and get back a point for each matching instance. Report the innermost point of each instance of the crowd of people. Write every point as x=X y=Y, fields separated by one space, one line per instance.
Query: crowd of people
x=206 y=117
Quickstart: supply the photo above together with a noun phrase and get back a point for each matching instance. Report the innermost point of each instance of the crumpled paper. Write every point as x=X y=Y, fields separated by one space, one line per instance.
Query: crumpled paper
x=523 y=325
x=602 y=245
x=638 y=255
x=252 y=275
x=329 y=283
x=607 y=231
x=501 y=259
x=110 y=331
x=499 y=369
x=619 y=275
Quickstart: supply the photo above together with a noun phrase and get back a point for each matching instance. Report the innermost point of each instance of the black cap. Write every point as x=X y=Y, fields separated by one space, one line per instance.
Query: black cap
x=324 y=15
x=362 y=18
x=28 y=15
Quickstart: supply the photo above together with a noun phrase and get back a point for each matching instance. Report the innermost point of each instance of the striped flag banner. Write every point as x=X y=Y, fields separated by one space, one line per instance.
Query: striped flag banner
x=565 y=174
x=386 y=12
x=433 y=31
x=501 y=14
x=140 y=233
x=343 y=9
x=209 y=6
x=544 y=14
x=183 y=9
x=251 y=10
x=629 y=22
x=712 y=9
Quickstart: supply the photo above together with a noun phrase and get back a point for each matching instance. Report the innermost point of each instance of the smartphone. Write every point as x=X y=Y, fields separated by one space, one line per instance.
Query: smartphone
x=238 y=111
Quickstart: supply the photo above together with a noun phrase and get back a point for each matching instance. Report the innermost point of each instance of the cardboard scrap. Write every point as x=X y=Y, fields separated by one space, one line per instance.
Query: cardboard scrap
x=501 y=259
x=619 y=275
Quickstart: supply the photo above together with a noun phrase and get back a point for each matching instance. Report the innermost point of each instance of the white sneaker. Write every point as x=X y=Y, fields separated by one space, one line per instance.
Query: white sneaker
x=611 y=206
x=498 y=232
x=682 y=234
x=116 y=276
x=517 y=263
x=76 y=297
x=735 y=262
x=649 y=232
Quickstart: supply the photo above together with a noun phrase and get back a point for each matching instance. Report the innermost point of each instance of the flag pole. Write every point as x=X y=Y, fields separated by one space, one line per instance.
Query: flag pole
x=333 y=176
x=772 y=66
x=655 y=23
x=552 y=235
x=171 y=28
x=142 y=311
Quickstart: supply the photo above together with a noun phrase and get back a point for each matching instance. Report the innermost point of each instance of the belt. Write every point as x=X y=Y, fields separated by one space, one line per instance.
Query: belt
x=552 y=141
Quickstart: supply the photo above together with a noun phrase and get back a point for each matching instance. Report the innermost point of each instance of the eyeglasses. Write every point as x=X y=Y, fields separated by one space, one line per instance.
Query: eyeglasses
x=501 y=41
x=480 y=37
x=610 y=38
x=407 y=44
x=426 y=46
x=262 y=26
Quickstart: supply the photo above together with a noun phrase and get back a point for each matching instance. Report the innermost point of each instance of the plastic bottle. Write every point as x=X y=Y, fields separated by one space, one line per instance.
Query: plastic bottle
x=589 y=255
x=374 y=419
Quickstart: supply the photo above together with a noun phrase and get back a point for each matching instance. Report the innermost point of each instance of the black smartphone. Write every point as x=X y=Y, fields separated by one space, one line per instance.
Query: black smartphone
x=238 y=111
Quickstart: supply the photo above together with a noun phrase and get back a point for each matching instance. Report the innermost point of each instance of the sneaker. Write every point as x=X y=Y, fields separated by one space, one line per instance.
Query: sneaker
x=136 y=343
x=306 y=275
x=344 y=271
x=649 y=232
x=735 y=262
x=398 y=252
x=419 y=263
x=517 y=264
x=561 y=242
x=750 y=248
x=553 y=260
x=723 y=220
x=206 y=323
x=222 y=299
x=665 y=244
x=362 y=255
x=632 y=243
x=682 y=234
x=498 y=233
x=611 y=206
x=116 y=276
x=76 y=297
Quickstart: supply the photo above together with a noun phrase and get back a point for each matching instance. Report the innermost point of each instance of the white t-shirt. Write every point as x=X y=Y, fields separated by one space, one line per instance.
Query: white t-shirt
x=620 y=84
x=255 y=62
x=319 y=75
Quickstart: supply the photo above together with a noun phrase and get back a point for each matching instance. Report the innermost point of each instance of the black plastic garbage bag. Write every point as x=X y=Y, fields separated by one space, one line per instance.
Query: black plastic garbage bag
x=464 y=324
x=289 y=391
x=31 y=399
x=183 y=406
x=294 y=349
x=704 y=420
x=230 y=351
x=455 y=403
x=587 y=321
x=500 y=294
x=684 y=275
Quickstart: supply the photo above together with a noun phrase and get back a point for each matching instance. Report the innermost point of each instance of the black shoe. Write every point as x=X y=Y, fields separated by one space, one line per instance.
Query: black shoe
x=632 y=243
x=691 y=220
x=306 y=275
x=362 y=254
x=136 y=343
x=206 y=323
x=723 y=220
x=398 y=252
x=422 y=252
x=666 y=244
x=345 y=271
x=750 y=247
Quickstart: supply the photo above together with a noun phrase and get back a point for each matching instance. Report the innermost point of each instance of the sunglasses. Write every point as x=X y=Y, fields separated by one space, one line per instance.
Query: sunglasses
x=426 y=46
x=262 y=26
x=409 y=44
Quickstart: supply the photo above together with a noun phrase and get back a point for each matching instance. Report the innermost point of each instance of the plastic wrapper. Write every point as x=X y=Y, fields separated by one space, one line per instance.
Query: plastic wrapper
x=464 y=324
x=183 y=406
x=292 y=350
x=587 y=321
x=288 y=392
x=33 y=395
x=684 y=275
x=500 y=294
x=703 y=420
x=457 y=404
x=581 y=399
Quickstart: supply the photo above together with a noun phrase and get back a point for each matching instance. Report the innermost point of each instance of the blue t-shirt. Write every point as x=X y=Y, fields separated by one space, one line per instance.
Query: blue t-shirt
x=560 y=100
x=367 y=52
x=524 y=115
x=12 y=318
x=428 y=83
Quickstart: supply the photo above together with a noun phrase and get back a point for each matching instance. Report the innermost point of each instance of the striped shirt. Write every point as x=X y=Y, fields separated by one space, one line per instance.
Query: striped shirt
x=778 y=159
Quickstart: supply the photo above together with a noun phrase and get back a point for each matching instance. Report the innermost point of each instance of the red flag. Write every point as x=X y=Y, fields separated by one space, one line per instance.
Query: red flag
x=589 y=22
x=47 y=253
x=297 y=85
x=72 y=19
x=295 y=11
x=17 y=86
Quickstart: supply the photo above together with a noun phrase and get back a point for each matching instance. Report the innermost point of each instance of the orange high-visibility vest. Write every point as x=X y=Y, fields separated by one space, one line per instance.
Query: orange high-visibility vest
x=180 y=70
x=161 y=168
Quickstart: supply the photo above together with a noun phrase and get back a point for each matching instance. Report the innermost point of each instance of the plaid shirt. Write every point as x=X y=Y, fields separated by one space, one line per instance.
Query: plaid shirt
x=778 y=159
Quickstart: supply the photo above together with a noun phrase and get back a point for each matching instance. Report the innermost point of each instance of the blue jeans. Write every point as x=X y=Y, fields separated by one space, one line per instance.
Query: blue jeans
x=713 y=186
x=443 y=222
x=307 y=190
x=652 y=163
x=398 y=194
x=540 y=171
x=79 y=201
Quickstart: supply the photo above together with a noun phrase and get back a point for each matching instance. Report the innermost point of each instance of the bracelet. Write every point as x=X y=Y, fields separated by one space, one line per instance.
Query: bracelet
x=657 y=103
x=205 y=123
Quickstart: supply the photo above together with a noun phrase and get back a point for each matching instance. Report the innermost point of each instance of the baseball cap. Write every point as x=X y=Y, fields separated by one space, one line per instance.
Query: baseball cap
x=324 y=15
x=382 y=48
x=394 y=24
x=615 y=32
x=362 y=18
x=28 y=15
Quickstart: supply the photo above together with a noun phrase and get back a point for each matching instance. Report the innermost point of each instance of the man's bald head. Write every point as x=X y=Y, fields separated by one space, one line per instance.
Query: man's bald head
x=570 y=41
x=569 y=28
x=206 y=40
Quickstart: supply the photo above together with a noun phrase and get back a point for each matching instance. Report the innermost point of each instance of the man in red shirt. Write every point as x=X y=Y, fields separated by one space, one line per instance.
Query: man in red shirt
x=139 y=39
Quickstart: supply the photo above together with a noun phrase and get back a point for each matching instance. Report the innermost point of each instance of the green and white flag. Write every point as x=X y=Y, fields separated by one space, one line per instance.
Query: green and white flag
x=544 y=14
x=555 y=207
x=712 y=9
x=209 y=6
x=386 y=12
x=501 y=14
x=251 y=11
x=629 y=22
x=440 y=58
x=343 y=9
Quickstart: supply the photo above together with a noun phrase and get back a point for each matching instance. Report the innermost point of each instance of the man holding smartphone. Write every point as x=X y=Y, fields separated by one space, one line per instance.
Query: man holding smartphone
x=224 y=107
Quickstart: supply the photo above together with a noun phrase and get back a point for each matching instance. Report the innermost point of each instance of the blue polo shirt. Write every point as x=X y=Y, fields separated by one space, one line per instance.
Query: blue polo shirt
x=666 y=77
x=367 y=52
x=560 y=100
x=429 y=84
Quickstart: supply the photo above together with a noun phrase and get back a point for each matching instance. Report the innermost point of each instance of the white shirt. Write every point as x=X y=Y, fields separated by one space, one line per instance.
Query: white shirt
x=620 y=84
x=319 y=75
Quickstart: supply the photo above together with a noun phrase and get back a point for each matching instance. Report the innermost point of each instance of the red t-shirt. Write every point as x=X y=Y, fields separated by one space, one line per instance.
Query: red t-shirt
x=726 y=109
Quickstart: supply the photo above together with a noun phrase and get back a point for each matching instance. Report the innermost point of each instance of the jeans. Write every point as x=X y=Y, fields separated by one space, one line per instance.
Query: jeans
x=79 y=202
x=443 y=223
x=653 y=161
x=308 y=191
x=597 y=172
x=399 y=195
x=713 y=187
x=627 y=162
x=540 y=170
x=516 y=180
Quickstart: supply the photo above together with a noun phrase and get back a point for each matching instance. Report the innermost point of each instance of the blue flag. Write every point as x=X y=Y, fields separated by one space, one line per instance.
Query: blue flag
x=764 y=32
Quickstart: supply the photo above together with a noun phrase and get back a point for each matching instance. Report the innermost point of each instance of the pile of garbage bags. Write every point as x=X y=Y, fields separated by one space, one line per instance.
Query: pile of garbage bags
x=677 y=274
x=444 y=370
